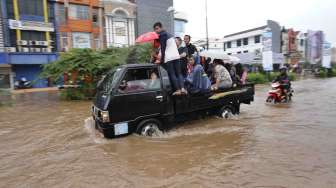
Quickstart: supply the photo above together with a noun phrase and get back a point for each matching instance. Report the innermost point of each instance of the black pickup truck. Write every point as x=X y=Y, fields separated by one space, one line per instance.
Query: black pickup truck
x=138 y=98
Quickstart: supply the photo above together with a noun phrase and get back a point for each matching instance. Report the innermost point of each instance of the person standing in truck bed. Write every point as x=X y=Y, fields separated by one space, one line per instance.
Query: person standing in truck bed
x=170 y=58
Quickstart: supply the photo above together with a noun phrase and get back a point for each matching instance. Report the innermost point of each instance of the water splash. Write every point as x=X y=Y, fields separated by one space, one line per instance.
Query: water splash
x=95 y=135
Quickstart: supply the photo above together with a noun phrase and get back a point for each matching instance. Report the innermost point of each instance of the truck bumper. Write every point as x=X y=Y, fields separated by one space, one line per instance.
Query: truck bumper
x=113 y=130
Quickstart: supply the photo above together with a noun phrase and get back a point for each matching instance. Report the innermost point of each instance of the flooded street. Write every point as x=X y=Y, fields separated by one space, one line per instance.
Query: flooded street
x=45 y=142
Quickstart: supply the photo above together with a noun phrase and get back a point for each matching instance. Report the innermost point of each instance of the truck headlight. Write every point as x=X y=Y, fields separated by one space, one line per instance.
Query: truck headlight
x=105 y=116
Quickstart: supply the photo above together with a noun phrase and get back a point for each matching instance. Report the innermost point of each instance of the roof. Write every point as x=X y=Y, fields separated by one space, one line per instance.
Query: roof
x=246 y=31
x=180 y=16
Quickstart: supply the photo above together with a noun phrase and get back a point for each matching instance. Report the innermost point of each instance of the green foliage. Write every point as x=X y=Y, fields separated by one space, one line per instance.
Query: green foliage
x=292 y=76
x=260 y=78
x=72 y=94
x=257 y=78
x=325 y=73
x=89 y=65
x=273 y=75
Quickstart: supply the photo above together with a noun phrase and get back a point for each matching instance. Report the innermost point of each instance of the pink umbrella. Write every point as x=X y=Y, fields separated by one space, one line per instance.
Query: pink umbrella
x=147 y=37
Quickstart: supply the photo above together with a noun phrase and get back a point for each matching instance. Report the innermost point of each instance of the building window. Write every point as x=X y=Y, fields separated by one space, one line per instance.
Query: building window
x=95 y=17
x=229 y=53
x=61 y=14
x=139 y=80
x=33 y=35
x=81 y=40
x=64 y=42
x=245 y=41
x=51 y=13
x=97 y=41
x=239 y=52
x=257 y=39
x=120 y=14
x=228 y=44
x=179 y=27
x=79 y=12
x=10 y=9
x=246 y=51
x=239 y=42
x=301 y=42
x=31 y=7
x=292 y=40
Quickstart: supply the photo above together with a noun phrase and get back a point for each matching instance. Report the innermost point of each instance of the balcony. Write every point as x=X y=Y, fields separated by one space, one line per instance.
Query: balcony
x=26 y=58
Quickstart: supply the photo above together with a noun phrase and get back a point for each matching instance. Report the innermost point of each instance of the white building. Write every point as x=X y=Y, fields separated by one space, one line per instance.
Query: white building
x=215 y=44
x=248 y=45
x=180 y=20
x=302 y=45
x=119 y=22
x=249 y=41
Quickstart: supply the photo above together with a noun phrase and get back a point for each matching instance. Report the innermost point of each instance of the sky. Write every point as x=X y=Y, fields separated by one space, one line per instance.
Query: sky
x=230 y=16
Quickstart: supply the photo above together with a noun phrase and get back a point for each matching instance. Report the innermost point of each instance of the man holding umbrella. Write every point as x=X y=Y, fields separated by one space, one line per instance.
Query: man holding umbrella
x=170 y=58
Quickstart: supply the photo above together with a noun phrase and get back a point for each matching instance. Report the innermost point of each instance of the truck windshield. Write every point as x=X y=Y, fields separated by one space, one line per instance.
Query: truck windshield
x=110 y=80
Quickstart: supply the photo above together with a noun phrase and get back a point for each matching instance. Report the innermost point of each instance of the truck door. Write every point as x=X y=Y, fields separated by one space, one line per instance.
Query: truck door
x=139 y=94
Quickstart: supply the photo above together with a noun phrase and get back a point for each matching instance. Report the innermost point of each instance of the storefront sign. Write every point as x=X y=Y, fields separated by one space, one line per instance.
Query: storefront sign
x=267 y=54
x=30 y=25
x=314 y=46
x=326 y=61
x=81 y=40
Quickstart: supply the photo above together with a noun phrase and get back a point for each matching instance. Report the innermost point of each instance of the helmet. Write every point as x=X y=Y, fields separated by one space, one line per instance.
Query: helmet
x=283 y=68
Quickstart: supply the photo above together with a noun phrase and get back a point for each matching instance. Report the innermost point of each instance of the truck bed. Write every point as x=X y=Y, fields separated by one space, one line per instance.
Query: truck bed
x=195 y=102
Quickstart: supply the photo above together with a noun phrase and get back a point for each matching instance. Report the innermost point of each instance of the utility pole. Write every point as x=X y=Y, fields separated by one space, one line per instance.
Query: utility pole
x=206 y=24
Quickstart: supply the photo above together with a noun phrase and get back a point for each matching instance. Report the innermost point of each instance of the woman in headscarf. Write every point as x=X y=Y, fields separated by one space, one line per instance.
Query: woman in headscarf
x=197 y=80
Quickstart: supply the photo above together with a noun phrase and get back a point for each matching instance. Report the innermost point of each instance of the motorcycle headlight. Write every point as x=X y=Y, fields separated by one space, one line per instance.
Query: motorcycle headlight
x=105 y=116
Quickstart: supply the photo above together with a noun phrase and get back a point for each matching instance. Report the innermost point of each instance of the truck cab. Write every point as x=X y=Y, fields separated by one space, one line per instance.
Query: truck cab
x=138 y=98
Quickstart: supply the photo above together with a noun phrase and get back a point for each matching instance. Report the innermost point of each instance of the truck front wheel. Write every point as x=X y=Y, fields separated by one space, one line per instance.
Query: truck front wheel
x=149 y=127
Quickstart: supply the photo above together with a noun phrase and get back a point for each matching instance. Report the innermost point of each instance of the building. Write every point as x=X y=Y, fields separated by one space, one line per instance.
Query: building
x=119 y=18
x=215 y=44
x=180 y=21
x=248 y=45
x=247 y=41
x=1 y=32
x=302 y=46
x=28 y=39
x=289 y=46
x=151 y=11
x=5 y=68
x=79 y=24
x=333 y=56
x=314 y=51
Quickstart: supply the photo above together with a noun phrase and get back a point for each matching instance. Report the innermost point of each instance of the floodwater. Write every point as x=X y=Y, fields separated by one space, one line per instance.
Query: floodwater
x=45 y=142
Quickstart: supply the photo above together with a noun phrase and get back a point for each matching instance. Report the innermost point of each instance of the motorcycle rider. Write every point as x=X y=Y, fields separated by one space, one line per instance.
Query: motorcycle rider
x=283 y=79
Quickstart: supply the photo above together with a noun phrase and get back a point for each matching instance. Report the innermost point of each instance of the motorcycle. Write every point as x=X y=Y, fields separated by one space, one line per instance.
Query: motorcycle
x=23 y=83
x=278 y=95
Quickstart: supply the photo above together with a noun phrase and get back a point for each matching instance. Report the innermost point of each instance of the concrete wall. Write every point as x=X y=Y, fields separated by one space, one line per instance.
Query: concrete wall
x=151 y=11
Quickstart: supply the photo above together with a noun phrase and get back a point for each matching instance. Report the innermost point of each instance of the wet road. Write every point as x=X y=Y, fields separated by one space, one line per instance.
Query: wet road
x=45 y=142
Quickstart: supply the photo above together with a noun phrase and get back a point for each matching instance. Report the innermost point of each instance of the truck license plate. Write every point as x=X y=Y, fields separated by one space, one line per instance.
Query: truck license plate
x=121 y=128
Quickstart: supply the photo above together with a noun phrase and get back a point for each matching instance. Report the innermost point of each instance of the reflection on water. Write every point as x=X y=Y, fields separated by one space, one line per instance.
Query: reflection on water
x=47 y=142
